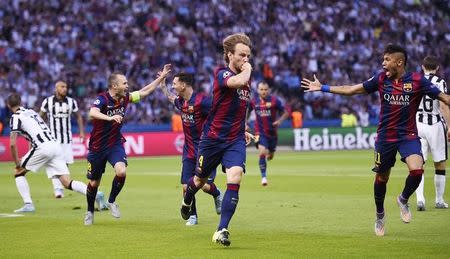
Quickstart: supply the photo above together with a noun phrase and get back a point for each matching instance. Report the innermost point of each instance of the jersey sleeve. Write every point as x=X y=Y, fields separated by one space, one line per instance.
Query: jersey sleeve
x=100 y=102
x=74 y=106
x=44 y=106
x=429 y=88
x=223 y=76
x=14 y=123
x=206 y=105
x=371 y=85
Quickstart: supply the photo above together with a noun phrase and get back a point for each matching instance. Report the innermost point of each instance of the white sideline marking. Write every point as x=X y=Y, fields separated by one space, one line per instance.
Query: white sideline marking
x=7 y=215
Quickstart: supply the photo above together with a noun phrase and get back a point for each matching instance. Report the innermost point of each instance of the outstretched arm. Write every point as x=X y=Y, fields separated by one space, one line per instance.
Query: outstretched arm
x=148 y=89
x=311 y=86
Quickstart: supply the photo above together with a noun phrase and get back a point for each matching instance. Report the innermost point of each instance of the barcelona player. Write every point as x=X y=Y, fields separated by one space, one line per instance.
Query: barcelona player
x=194 y=108
x=400 y=93
x=223 y=139
x=106 y=141
x=267 y=108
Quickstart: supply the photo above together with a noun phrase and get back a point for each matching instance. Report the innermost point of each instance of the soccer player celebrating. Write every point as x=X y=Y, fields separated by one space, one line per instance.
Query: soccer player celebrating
x=400 y=93
x=266 y=107
x=433 y=121
x=224 y=138
x=106 y=141
x=194 y=108
x=45 y=151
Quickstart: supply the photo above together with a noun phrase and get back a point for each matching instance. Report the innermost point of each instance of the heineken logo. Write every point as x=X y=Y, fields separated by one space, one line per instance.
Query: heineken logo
x=326 y=140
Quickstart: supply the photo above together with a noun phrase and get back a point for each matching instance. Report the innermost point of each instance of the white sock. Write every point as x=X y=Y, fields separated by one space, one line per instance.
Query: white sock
x=79 y=187
x=24 y=189
x=57 y=184
x=439 y=184
x=419 y=191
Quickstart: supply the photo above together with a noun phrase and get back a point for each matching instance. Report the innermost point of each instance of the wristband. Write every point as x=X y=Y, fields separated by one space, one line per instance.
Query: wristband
x=325 y=88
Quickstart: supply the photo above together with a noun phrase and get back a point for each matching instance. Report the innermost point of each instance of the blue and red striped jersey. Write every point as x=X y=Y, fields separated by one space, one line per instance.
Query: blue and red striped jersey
x=106 y=134
x=399 y=103
x=226 y=120
x=193 y=114
x=267 y=111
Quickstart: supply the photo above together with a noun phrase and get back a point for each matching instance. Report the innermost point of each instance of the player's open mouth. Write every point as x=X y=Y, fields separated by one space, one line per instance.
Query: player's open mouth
x=388 y=73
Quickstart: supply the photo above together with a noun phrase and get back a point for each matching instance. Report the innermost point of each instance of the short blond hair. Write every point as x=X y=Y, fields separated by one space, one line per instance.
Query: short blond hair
x=230 y=42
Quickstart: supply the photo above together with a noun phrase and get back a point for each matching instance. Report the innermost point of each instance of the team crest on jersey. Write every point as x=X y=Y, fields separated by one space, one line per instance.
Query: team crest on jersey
x=407 y=87
x=191 y=109
x=226 y=74
x=268 y=105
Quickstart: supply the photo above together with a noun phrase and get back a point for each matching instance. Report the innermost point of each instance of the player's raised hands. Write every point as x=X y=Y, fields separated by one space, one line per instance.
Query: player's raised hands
x=311 y=86
x=117 y=118
x=166 y=70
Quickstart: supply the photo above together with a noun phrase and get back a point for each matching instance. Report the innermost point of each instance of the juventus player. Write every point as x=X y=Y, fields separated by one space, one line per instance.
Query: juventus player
x=59 y=108
x=433 y=118
x=45 y=151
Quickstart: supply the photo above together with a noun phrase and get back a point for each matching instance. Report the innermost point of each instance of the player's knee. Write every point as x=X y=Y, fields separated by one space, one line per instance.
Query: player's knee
x=381 y=178
x=121 y=171
x=234 y=175
x=200 y=181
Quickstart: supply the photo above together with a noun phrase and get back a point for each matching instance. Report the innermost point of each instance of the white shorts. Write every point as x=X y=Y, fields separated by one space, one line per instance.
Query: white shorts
x=48 y=154
x=67 y=153
x=433 y=139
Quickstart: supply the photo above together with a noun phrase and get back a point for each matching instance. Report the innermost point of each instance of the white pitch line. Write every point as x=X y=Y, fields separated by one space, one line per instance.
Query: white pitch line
x=8 y=215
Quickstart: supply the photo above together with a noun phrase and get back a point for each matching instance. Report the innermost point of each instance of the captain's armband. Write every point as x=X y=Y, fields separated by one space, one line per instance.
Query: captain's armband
x=135 y=97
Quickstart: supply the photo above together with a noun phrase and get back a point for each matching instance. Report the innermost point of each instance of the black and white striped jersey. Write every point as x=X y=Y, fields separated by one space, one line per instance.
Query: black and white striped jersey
x=428 y=111
x=59 y=114
x=29 y=124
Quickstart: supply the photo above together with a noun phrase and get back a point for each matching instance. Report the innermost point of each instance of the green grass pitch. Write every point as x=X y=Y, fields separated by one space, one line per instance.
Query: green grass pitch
x=317 y=204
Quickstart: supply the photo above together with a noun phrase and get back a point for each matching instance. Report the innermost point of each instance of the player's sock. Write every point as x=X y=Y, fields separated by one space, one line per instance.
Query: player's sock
x=229 y=204
x=411 y=184
x=191 y=190
x=213 y=190
x=419 y=190
x=23 y=188
x=116 y=187
x=78 y=186
x=439 y=184
x=91 y=192
x=193 y=207
x=262 y=165
x=379 y=190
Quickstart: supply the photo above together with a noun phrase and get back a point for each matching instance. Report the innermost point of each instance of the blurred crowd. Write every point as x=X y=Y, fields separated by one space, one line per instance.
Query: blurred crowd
x=83 y=41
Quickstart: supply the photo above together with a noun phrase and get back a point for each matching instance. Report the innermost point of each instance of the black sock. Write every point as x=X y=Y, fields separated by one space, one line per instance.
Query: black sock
x=91 y=192
x=117 y=184
x=411 y=183
x=379 y=191
x=191 y=190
